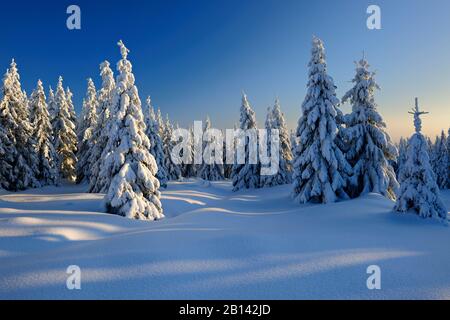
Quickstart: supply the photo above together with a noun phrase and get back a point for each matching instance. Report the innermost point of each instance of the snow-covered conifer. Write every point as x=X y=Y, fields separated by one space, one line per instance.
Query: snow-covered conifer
x=265 y=181
x=8 y=154
x=402 y=147
x=441 y=161
x=369 y=146
x=65 y=137
x=42 y=134
x=71 y=107
x=227 y=167
x=52 y=110
x=433 y=152
x=189 y=169
x=429 y=146
x=247 y=175
x=86 y=125
x=173 y=170
x=418 y=190
x=104 y=124
x=320 y=167
x=448 y=157
x=212 y=171
x=51 y=105
x=233 y=145
x=156 y=144
x=17 y=135
x=294 y=141
x=8 y=151
x=160 y=121
x=134 y=189
x=275 y=120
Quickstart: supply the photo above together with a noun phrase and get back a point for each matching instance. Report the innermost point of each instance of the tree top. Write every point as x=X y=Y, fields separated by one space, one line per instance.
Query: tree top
x=417 y=113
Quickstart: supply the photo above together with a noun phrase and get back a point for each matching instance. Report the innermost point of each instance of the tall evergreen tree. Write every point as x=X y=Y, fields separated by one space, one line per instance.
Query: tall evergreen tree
x=433 y=152
x=441 y=161
x=265 y=181
x=173 y=170
x=275 y=120
x=51 y=105
x=211 y=171
x=429 y=147
x=65 y=137
x=161 y=124
x=104 y=125
x=8 y=155
x=21 y=165
x=370 y=147
x=134 y=189
x=86 y=125
x=189 y=169
x=8 y=151
x=402 y=147
x=71 y=107
x=227 y=166
x=52 y=110
x=43 y=135
x=448 y=157
x=156 y=144
x=419 y=191
x=25 y=142
x=320 y=167
x=247 y=175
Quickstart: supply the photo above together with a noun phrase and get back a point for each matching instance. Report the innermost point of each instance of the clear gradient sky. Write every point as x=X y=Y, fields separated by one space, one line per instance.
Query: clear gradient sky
x=195 y=57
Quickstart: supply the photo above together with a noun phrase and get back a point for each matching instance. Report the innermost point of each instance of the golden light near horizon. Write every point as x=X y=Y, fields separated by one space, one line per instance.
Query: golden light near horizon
x=399 y=124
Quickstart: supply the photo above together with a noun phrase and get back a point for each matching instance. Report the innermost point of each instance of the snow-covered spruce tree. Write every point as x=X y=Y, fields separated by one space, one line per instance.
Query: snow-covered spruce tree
x=86 y=125
x=18 y=131
x=52 y=110
x=441 y=161
x=212 y=171
x=65 y=137
x=429 y=146
x=402 y=147
x=433 y=152
x=418 y=190
x=51 y=105
x=430 y=149
x=275 y=120
x=294 y=142
x=369 y=146
x=227 y=167
x=134 y=189
x=156 y=144
x=104 y=123
x=8 y=154
x=189 y=169
x=265 y=181
x=43 y=135
x=247 y=175
x=161 y=124
x=173 y=170
x=25 y=142
x=8 y=151
x=71 y=107
x=448 y=157
x=234 y=145
x=320 y=167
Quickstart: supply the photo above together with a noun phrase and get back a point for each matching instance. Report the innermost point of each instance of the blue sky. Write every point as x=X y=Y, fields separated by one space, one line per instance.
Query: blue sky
x=196 y=57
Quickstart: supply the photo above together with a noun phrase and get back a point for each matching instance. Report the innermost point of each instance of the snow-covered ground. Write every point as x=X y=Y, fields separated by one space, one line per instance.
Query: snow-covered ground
x=216 y=244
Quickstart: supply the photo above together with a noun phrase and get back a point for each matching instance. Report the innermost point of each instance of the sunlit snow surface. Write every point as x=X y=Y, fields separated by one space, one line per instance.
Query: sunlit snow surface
x=216 y=244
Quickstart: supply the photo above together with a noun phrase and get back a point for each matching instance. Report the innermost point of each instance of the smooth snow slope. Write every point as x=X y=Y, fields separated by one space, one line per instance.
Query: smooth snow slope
x=216 y=244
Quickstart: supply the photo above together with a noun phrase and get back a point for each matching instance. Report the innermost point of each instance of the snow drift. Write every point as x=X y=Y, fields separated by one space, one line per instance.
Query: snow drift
x=216 y=244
